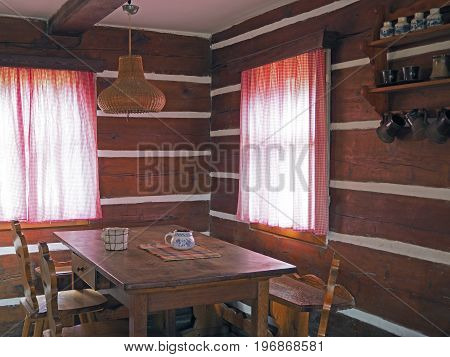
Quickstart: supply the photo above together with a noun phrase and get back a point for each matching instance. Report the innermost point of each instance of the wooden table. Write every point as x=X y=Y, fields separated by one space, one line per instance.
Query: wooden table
x=145 y=283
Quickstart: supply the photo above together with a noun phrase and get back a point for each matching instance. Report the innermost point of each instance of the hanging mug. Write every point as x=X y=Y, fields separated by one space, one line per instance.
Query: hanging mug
x=389 y=127
x=439 y=130
x=417 y=121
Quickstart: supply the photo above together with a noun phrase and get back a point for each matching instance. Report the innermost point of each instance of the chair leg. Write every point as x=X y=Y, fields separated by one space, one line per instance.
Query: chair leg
x=26 y=326
x=83 y=319
x=170 y=323
x=90 y=317
x=38 y=328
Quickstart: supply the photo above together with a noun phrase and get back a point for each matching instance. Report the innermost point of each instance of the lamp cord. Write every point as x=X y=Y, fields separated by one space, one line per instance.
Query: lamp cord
x=129 y=35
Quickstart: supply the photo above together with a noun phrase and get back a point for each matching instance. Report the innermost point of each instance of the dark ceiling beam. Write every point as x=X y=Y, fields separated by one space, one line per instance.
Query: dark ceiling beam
x=78 y=16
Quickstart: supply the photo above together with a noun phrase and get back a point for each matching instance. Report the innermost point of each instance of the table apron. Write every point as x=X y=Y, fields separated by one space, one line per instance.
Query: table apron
x=187 y=296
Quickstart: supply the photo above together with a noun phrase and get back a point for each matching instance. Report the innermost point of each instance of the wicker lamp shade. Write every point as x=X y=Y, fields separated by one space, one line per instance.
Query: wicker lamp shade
x=131 y=92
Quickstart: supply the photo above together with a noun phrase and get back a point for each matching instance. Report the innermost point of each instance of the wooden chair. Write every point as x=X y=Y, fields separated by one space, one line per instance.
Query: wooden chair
x=71 y=302
x=117 y=328
x=293 y=297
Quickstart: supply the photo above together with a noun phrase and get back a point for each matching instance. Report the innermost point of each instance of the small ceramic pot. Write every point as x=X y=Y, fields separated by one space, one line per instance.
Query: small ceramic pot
x=441 y=67
x=387 y=30
x=389 y=76
x=402 y=26
x=434 y=18
x=410 y=73
x=418 y=22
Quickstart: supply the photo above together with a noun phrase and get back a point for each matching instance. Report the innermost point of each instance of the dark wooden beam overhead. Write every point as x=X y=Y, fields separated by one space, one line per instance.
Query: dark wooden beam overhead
x=78 y=16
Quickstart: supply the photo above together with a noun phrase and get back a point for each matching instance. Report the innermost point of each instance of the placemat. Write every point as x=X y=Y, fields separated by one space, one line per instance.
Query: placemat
x=167 y=253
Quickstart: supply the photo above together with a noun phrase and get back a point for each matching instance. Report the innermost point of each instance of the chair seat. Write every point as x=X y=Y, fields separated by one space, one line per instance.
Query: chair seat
x=303 y=297
x=71 y=302
x=118 y=328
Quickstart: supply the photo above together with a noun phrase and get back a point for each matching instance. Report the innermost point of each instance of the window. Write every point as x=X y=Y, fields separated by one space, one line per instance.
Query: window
x=48 y=145
x=284 y=135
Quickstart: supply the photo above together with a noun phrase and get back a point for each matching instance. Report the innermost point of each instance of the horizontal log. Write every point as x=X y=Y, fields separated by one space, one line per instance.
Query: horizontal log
x=347 y=103
x=349 y=48
x=348 y=21
x=387 y=290
x=224 y=76
x=151 y=43
x=174 y=54
x=412 y=220
x=180 y=96
x=69 y=63
x=278 y=14
x=224 y=195
x=393 y=272
x=358 y=155
x=151 y=134
x=227 y=102
x=130 y=177
x=192 y=215
x=225 y=154
x=226 y=120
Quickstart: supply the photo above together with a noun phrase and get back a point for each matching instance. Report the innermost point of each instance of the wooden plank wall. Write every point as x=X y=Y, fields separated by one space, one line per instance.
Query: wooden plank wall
x=180 y=66
x=384 y=237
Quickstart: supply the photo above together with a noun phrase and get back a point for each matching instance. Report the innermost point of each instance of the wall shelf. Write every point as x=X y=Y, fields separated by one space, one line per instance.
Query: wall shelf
x=409 y=86
x=430 y=34
x=377 y=49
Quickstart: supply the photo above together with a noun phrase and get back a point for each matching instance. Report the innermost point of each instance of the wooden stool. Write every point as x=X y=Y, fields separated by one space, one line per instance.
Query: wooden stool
x=292 y=298
x=99 y=329
x=71 y=302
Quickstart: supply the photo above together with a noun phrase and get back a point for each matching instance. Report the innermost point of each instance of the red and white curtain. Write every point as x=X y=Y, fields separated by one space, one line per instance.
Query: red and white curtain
x=48 y=145
x=283 y=168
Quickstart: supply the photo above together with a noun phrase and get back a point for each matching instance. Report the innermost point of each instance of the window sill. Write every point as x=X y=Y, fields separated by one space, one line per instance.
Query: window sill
x=6 y=226
x=306 y=237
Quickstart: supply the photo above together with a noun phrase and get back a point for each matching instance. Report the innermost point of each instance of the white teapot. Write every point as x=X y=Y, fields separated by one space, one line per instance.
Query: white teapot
x=180 y=239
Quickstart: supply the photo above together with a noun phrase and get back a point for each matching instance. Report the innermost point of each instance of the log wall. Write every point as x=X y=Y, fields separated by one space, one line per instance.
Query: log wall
x=180 y=67
x=394 y=244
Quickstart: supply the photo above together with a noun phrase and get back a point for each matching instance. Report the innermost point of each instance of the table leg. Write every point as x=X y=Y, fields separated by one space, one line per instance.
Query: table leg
x=302 y=324
x=138 y=315
x=260 y=308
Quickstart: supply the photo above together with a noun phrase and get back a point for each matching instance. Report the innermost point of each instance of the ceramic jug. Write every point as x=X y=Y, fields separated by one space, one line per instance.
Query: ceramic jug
x=180 y=239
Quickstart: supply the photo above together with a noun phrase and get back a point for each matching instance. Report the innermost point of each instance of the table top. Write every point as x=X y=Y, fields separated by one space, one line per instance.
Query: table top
x=135 y=268
x=304 y=297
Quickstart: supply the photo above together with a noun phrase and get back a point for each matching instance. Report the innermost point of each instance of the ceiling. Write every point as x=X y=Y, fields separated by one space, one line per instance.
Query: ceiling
x=197 y=16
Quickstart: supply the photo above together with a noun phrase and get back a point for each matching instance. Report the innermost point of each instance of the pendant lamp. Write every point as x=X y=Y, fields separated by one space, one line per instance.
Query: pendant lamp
x=131 y=92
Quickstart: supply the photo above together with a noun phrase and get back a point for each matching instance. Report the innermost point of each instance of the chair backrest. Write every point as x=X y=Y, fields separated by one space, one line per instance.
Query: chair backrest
x=328 y=297
x=49 y=282
x=21 y=247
